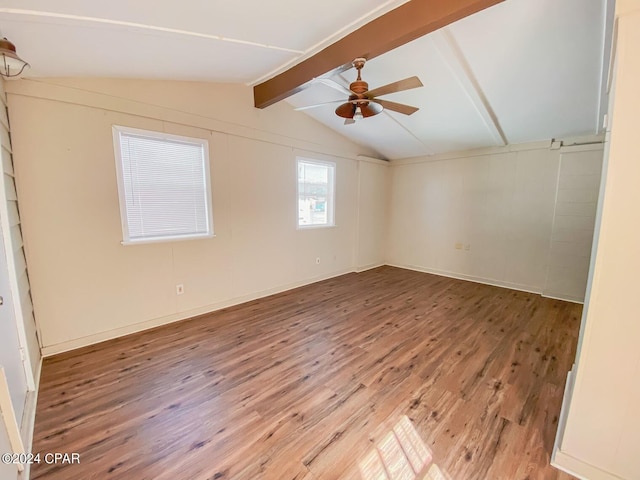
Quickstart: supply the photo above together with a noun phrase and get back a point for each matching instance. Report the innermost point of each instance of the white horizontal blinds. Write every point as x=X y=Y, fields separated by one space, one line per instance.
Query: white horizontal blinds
x=165 y=187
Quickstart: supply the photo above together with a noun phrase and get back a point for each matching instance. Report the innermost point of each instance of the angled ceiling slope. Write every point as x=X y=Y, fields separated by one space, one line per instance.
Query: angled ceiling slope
x=521 y=71
x=393 y=29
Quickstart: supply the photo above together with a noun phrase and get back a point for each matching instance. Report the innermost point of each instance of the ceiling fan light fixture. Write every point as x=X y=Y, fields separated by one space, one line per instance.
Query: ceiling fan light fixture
x=370 y=109
x=11 y=65
x=358 y=114
x=346 y=110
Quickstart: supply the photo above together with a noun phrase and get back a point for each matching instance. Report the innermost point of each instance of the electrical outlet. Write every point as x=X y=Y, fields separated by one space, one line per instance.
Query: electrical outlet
x=458 y=246
x=317 y=260
x=467 y=246
x=179 y=289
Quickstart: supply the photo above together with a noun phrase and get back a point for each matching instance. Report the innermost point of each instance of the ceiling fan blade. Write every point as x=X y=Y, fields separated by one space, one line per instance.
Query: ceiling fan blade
x=397 y=107
x=346 y=110
x=307 y=107
x=335 y=85
x=349 y=121
x=399 y=86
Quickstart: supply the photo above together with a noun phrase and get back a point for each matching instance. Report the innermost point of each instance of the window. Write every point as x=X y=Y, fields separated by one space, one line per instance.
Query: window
x=164 y=186
x=316 y=193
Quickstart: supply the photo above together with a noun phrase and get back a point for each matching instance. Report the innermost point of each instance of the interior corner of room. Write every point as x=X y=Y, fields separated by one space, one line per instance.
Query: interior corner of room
x=516 y=169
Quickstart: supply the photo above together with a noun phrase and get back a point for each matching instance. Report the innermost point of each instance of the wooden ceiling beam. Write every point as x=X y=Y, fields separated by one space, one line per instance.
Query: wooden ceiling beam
x=409 y=21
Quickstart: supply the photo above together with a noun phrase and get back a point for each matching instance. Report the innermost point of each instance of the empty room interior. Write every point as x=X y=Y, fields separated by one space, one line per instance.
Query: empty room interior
x=375 y=240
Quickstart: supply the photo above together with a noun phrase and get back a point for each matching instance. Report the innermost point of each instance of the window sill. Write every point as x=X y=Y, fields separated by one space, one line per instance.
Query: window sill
x=177 y=238
x=314 y=227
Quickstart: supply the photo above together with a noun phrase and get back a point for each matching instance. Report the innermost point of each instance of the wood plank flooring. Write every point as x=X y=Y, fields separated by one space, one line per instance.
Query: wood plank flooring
x=303 y=384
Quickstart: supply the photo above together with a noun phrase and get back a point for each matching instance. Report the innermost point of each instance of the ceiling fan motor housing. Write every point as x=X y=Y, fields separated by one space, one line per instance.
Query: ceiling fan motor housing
x=359 y=87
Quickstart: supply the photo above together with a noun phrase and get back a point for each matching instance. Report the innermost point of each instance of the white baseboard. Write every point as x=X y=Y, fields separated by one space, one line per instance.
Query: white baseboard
x=28 y=421
x=73 y=344
x=563 y=297
x=371 y=266
x=470 y=278
x=487 y=281
x=564 y=413
x=578 y=468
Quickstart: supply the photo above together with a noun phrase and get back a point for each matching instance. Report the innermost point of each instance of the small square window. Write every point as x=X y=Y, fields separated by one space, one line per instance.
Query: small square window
x=164 y=186
x=316 y=193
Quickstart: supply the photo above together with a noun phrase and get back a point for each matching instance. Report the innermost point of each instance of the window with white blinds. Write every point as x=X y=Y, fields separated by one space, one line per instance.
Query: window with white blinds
x=316 y=193
x=164 y=186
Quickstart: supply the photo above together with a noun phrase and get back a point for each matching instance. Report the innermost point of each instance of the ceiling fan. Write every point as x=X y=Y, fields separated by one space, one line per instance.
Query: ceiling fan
x=362 y=102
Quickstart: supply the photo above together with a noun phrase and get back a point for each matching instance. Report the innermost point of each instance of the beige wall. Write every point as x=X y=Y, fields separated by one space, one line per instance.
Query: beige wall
x=504 y=208
x=88 y=287
x=373 y=200
x=602 y=434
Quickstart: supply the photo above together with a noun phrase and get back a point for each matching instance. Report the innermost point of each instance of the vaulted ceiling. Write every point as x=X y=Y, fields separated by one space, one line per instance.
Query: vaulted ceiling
x=520 y=71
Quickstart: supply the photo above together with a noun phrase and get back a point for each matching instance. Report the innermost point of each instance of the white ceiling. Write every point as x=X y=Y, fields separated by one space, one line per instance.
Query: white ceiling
x=214 y=40
x=524 y=70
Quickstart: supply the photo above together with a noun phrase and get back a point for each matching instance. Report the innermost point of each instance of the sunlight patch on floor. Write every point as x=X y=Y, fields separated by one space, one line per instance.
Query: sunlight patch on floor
x=400 y=455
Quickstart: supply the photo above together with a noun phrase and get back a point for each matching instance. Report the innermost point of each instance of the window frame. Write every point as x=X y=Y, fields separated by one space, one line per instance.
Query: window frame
x=203 y=143
x=331 y=193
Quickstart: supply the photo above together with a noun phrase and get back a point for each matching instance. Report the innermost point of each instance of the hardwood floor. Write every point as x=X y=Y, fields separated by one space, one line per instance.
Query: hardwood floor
x=303 y=384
